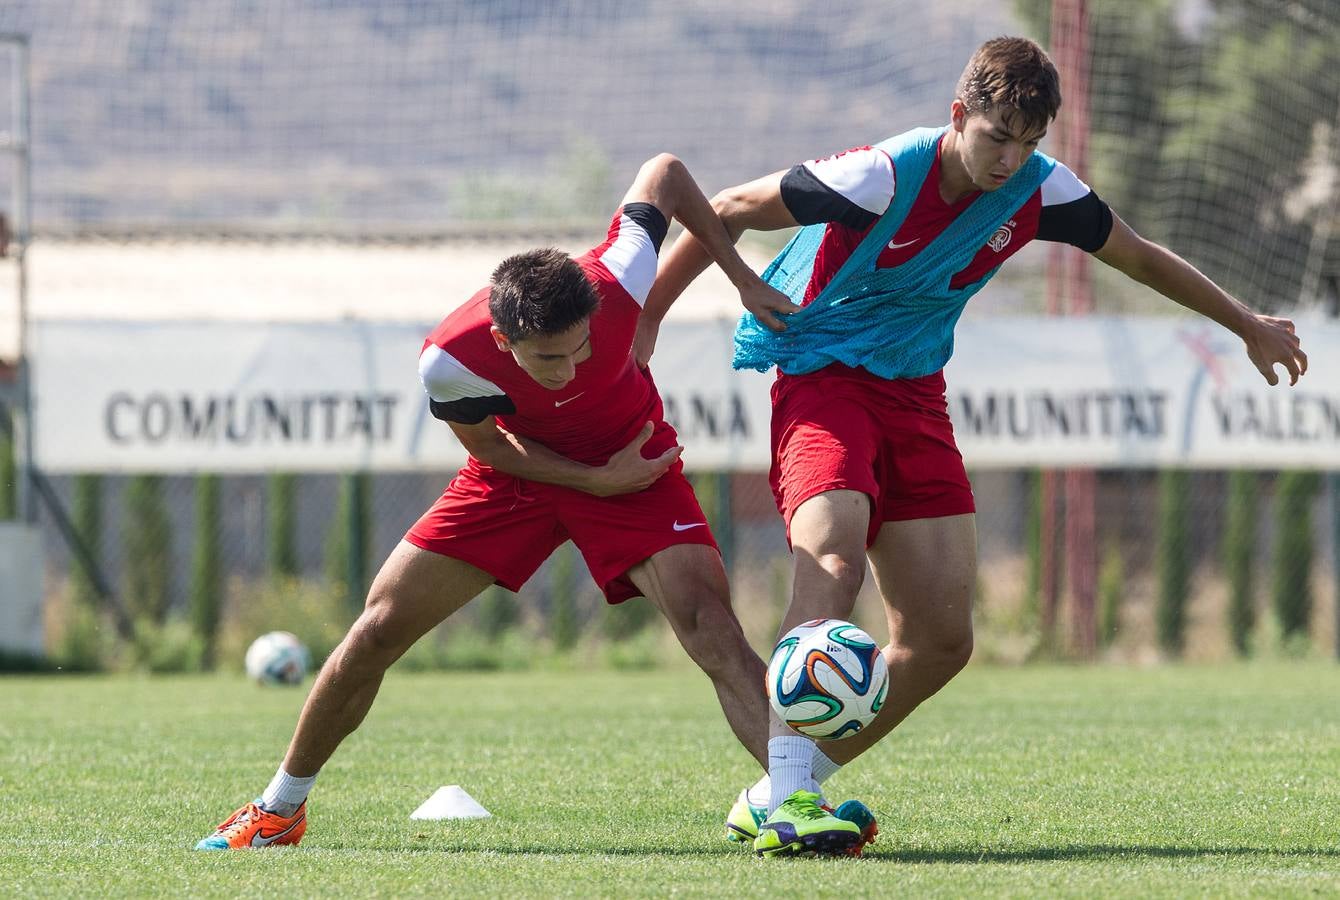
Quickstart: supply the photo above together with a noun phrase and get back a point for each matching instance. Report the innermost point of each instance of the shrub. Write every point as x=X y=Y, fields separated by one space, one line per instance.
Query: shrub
x=167 y=647
x=622 y=621
x=317 y=614
x=458 y=647
x=635 y=653
x=9 y=475
x=1111 y=588
x=282 y=531
x=1174 y=559
x=80 y=639
x=349 y=539
x=1239 y=552
x=87 y=515
x=564 y=629
x=1292 y=583
x=206 y=597
x=1033 y=539
x=148 y=547
x=496 y=612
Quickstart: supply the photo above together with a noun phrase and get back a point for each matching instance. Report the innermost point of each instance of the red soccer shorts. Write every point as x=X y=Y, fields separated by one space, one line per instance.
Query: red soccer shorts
x=508 y=526
x=844 y=429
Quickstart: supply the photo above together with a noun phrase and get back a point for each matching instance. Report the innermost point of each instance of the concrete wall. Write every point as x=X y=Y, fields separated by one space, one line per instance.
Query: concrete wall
x=20 y=588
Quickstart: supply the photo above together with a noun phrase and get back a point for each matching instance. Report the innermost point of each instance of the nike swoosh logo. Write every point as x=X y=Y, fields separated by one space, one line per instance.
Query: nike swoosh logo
x=558 y=403
x=679 y=527
x=261 y=839
x=893 y=246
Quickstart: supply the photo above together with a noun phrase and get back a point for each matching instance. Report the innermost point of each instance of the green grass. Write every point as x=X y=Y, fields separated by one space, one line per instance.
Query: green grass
x=1014 y=782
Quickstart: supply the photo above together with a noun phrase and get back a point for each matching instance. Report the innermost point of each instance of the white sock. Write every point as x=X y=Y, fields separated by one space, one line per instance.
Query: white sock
x=760 y=793
x=790 y=767
x=286 y=793
x=824 y=768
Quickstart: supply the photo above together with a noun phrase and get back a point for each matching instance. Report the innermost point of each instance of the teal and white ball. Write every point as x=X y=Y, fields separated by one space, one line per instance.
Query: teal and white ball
x=277 y=658
x=827 y=679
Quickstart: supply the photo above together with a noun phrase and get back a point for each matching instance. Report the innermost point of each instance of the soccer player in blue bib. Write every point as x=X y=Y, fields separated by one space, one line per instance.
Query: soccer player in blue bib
x=898 y=236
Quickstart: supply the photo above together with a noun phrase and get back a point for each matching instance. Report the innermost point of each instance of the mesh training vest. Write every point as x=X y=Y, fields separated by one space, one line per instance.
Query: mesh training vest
x=894 y=323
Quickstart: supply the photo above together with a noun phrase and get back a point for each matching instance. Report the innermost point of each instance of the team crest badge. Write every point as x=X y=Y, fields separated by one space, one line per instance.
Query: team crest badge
x=1001 y=239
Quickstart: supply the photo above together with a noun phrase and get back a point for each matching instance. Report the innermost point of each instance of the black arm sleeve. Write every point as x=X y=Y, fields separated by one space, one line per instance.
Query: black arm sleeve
x=471 y=410
x=1084 y=223
x=650 y=218
x=810 y=202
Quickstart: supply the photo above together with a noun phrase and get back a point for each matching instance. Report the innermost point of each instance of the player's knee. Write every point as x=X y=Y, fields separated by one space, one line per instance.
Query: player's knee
x=847 y=575
x=664 y=162
x=712 y=635
x=945 y=654
x=956 y=654
x=374 y=642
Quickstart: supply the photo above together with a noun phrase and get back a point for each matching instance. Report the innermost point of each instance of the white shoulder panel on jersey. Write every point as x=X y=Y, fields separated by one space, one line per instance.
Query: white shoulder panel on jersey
x=631 y=259
x=446 y=378
x=865 y=177
x=1062 y=186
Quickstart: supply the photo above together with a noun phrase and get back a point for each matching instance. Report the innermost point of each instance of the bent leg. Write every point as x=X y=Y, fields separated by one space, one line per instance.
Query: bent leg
x=687 y=582
x=414 y=591
x=925 y=570
x=828 y=540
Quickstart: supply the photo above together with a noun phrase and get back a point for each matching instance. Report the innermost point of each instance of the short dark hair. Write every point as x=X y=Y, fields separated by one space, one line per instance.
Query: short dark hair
x=1015 y=74
x=539 y=292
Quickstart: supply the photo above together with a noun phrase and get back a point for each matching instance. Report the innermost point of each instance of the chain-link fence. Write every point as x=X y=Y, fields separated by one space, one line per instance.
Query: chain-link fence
x=1213 y=129
x=1245 y=563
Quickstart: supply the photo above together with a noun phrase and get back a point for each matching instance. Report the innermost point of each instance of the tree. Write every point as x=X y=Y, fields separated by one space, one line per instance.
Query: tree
x=1239 y=555
x=87 y=514
x=1174 y=559
x=282 y=531
x=1111 y=590
x=564 y=629
x=206 y=599
x=349 y=539
x=1204 y=127
x=1292 y=591
x=148 y=544
x=9 y=477
x=497 y=611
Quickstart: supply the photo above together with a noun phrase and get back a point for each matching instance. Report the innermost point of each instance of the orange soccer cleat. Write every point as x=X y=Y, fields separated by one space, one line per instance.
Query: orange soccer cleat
x=252 y=826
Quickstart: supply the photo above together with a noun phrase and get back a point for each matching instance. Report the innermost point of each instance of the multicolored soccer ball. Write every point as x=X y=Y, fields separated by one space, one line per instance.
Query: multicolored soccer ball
x=827 y=679
x=277 y=658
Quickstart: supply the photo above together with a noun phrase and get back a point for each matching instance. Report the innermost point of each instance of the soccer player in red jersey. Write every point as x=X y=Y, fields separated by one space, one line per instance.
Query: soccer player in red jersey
x=864 y=461
x=567 y=440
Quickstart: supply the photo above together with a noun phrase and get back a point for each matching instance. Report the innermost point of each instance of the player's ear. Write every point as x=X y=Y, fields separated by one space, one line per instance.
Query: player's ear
x=500 y=339
x=958 y=114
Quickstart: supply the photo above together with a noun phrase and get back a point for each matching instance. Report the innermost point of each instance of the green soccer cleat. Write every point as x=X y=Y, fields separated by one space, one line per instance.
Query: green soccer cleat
x=801 y=825
x=744 y=818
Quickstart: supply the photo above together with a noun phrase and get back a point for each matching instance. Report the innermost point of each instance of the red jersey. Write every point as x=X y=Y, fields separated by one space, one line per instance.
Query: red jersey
x=851 y=190
x=603 y=408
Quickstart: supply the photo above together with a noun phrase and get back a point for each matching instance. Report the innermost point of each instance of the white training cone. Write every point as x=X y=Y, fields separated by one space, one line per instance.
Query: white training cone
x=450 y=802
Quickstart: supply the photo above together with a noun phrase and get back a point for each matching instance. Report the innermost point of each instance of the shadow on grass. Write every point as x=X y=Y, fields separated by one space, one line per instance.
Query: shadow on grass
x=880 y=853
x=1109 y=852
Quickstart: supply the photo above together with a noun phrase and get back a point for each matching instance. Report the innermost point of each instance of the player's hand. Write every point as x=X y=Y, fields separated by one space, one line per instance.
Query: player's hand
x=1271 y=341
x=766 y=303
x=644 y=341
x=627 y=472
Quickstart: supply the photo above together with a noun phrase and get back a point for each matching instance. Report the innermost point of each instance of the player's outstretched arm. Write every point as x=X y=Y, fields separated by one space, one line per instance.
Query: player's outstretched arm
x=1270 y=341
x=626 y=472
x=665 y=182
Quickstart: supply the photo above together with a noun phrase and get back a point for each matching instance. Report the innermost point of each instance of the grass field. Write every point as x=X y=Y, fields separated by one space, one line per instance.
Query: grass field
x=1024 y=782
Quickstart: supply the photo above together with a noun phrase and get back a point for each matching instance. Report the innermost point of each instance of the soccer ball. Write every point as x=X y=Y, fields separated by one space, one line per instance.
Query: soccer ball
x=827 y=679
x=277 y=658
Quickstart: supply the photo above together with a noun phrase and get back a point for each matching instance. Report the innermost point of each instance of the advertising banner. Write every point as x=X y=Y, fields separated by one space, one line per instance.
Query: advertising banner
x=335 y=396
